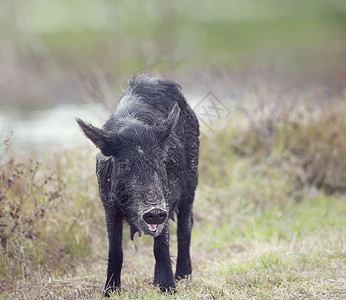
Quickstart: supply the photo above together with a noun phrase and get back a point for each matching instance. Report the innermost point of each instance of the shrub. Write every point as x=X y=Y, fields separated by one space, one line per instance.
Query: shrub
x=41 y=224
x=308 y=143
x=318 y=148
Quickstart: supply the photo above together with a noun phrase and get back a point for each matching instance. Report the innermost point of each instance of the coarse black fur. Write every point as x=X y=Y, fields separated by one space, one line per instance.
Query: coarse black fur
x=147 y=173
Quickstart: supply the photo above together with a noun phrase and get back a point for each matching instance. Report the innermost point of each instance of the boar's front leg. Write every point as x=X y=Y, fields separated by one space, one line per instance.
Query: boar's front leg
x=163 y=267
x=185 y=223
x=114 y=224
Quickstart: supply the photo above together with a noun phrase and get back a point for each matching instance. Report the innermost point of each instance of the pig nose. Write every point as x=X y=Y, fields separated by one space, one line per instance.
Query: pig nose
x=155 y=216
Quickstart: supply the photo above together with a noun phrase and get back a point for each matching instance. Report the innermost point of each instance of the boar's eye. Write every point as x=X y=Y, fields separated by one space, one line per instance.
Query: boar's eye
x=123 y=166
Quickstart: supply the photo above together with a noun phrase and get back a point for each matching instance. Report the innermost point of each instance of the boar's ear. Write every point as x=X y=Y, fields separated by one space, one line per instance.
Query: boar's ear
x=103 y=139
x=165 y=129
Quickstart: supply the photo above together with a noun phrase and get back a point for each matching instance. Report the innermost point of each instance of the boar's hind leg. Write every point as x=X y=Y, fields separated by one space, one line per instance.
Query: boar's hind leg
x=163 y=267
x=115 y=253
x=185 y=222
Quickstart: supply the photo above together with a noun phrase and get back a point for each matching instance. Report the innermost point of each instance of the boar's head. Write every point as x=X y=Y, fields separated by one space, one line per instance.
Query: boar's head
x=138 y=179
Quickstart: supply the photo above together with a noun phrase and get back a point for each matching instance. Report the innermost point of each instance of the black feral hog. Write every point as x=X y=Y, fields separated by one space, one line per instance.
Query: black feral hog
x=147 y=172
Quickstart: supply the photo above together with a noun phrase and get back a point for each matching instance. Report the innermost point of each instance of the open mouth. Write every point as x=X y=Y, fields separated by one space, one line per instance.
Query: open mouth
x=150 y=229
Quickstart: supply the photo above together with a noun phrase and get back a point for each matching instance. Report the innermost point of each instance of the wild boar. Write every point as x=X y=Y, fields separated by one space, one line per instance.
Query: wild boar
x=147 y=172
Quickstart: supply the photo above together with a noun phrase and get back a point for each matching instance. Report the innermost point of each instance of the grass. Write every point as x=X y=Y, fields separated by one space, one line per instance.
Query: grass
x=265 y=227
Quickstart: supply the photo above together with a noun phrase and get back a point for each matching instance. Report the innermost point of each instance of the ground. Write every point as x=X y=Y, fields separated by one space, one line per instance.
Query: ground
x=269 y=218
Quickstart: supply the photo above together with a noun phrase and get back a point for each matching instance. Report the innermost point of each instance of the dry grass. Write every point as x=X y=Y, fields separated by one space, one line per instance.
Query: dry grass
x=46 y=217
x=269 y=219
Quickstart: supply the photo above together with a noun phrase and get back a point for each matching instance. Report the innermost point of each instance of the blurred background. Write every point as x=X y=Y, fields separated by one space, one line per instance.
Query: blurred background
x=267 y=79
x=61 y=59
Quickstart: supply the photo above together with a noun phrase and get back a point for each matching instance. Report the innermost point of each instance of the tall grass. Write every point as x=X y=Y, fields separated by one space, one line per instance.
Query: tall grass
x=305 y=141
x=46 y=209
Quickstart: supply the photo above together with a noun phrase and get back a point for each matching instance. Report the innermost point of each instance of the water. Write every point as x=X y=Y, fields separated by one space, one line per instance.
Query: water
x=54 y=128
x=49 y=129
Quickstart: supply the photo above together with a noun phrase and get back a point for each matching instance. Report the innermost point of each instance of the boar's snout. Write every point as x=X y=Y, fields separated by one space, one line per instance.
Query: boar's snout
x=155 y=216
x=153 y=221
